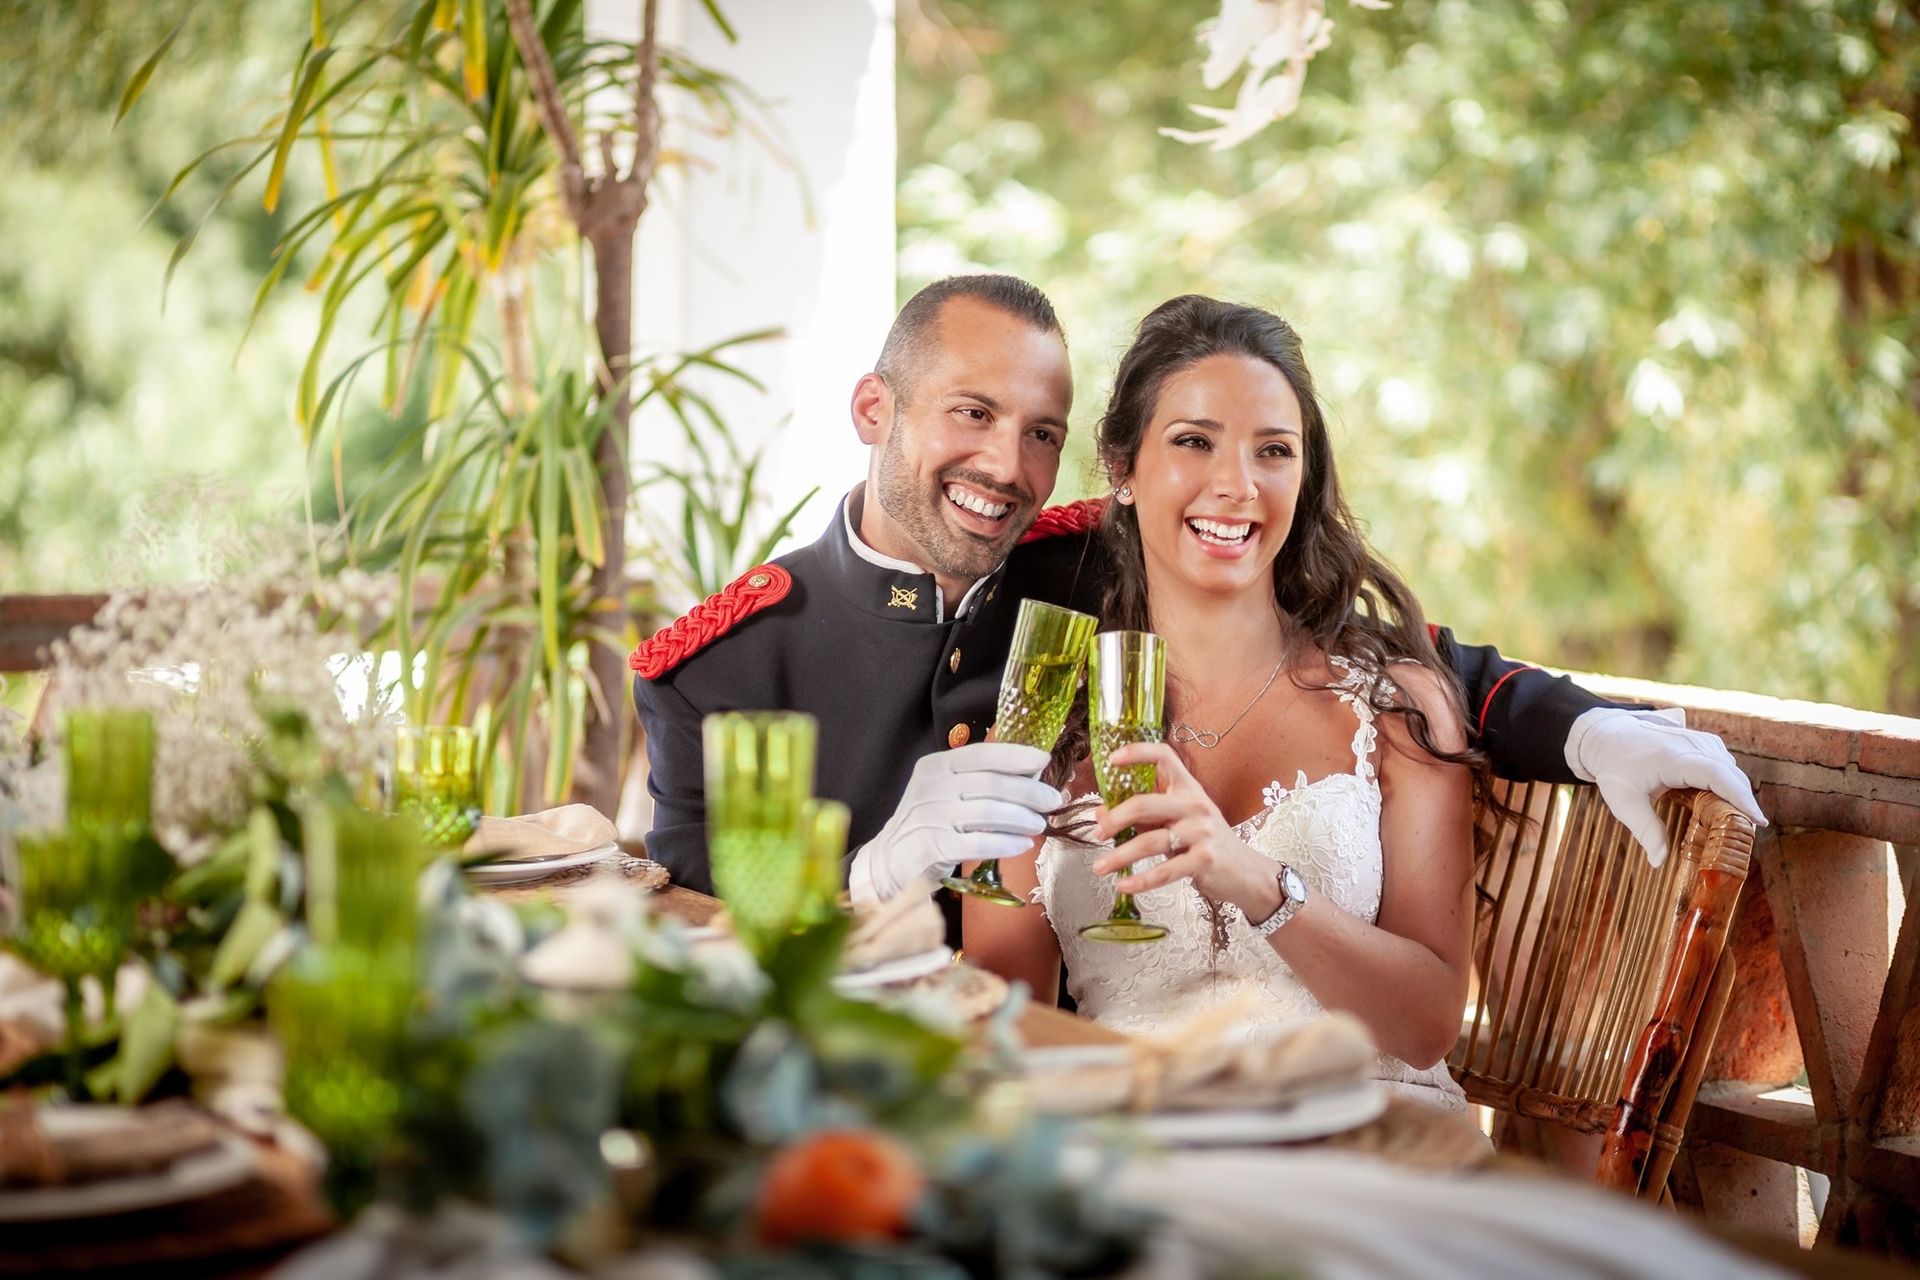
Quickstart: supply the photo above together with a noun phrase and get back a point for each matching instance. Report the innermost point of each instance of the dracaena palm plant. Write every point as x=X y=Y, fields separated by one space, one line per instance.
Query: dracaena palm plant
x=454 y=202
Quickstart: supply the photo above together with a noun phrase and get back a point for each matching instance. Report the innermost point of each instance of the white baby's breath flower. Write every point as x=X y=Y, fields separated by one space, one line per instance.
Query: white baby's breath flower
x=200 y=657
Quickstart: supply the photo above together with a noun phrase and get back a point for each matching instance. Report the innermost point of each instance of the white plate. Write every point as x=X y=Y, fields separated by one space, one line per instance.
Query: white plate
x=904 y=969
x=1314 y=1116
x=201 y=1173
x=516 y=872
x=1073 y=1057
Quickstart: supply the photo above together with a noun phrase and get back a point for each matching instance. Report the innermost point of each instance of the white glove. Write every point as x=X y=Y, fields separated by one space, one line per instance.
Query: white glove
x=979 y=801
x=1634 y=756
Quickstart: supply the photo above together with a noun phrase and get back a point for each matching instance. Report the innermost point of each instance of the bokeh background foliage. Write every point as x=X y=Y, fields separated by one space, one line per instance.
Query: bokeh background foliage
x=1614 y=306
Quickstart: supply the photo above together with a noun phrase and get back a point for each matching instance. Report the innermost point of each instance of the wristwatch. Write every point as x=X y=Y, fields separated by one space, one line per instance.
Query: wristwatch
x=1293 y=896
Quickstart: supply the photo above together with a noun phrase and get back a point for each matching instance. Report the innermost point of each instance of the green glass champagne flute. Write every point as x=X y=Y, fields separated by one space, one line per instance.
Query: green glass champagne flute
x=759 y=772
x=75 y=893
x=1049 y=652
x=435 y=782
x=1126 y=704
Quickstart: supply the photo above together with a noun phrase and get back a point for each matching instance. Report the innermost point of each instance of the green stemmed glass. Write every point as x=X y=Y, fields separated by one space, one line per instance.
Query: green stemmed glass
x=759 y=771
x=109 y=767
x=1036 y=693
x=340 y=1015
x=824 y=828
x=75 y=893
x=1127 y=704
x=435 y=783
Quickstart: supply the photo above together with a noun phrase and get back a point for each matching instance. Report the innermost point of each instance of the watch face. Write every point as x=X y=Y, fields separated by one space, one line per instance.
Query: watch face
x=1296 y=887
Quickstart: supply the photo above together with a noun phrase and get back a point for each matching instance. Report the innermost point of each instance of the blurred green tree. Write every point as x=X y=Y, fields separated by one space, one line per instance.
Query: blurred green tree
x=117 y=416
x=1615 y=308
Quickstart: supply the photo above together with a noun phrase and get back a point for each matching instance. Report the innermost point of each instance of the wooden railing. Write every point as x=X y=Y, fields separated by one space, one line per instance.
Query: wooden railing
x=1817 y=1066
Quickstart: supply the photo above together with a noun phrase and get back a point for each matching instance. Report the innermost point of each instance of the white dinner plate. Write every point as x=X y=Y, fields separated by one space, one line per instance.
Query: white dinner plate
x=903 y=969
x=199 y=1173
x=539 y=869
x=1313 y=1116
x=1042 y=1059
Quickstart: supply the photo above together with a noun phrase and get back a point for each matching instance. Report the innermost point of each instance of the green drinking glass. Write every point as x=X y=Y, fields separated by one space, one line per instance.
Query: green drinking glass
x=74 y=915
x=759 y=772
x=363 y=876
x=435 y=782
x=109 y=767
x=824 y=824
x=1048 y=653
x=1126 y=704
x=340 y=1015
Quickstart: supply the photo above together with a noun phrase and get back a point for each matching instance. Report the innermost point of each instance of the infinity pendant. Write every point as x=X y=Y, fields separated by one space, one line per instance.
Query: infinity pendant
x=1198 y=737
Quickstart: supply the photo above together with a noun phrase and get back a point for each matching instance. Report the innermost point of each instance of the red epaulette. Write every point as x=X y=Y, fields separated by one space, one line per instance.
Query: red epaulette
x=712 y=618
x=1074 y=517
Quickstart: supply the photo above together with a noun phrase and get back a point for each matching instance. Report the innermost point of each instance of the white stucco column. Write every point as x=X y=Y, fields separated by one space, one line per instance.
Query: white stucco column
x=786 y=223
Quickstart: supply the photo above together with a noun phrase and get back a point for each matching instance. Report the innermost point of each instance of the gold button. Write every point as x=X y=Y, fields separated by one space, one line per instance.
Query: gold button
x=958 y=735
x=953 y=663
x=990 y=593
x=759 y=580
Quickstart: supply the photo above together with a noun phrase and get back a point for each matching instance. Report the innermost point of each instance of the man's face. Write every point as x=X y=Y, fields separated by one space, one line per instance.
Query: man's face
x=969 y=456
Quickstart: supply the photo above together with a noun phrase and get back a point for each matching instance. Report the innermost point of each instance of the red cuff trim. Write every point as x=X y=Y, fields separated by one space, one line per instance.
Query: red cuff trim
x=1074 y=517
x=712 y=618
x=1488 y=704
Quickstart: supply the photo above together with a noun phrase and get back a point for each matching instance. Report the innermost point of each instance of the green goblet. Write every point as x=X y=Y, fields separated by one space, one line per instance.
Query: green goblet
x=74 y=915
x=435 y=783
x=759 y=772
x=1036 y=692
x=363 y=876
x=109 y=766
x=1127 y=704
x=340 y=1015
x=824 y=827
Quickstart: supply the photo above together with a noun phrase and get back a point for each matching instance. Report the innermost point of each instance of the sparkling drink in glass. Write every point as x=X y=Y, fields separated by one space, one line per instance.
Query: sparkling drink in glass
x=1049 y=652
x=1126 y=704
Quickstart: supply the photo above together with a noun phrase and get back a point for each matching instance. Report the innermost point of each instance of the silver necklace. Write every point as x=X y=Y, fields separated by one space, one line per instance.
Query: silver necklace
x=1184 y=732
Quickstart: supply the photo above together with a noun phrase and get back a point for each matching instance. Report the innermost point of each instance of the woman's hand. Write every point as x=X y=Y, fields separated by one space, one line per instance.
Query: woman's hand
x=1179 y=819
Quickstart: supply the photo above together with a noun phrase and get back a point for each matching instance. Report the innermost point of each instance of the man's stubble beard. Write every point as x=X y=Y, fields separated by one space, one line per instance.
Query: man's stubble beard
x=949 y=552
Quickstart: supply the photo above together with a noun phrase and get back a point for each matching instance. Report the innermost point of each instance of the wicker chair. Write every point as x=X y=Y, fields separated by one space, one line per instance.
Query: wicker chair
x=1599 y=982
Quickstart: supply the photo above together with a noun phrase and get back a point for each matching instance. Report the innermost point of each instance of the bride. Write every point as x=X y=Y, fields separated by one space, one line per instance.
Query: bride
x=1309 y=843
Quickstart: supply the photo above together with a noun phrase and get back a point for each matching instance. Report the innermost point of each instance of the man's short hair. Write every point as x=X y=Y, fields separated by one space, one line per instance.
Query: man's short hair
x=915 y=332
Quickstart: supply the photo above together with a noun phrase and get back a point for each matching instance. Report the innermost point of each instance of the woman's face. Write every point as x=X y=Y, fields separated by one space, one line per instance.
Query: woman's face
x=1217 y=476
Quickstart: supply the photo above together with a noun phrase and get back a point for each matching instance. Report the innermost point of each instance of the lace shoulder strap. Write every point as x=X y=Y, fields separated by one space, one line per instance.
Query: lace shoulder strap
x=1356 y=686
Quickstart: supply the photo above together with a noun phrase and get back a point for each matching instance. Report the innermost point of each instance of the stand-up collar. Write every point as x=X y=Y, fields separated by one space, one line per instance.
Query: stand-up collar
x=881 y=585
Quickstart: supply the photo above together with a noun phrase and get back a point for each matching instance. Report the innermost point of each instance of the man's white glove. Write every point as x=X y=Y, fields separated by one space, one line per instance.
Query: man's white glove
x=1633 y=756
x=979 y=801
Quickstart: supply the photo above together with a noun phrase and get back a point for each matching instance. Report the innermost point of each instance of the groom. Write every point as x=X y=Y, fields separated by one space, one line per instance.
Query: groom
x=892 y=628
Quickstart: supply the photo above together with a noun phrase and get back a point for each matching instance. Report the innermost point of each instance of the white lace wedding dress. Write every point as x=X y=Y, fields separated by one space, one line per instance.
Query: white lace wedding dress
x=1329 y=831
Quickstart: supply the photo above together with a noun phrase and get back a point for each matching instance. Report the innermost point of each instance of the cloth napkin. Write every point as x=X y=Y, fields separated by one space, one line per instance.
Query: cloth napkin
x=907 y=925
x=1209 y=1064
x=535 y=837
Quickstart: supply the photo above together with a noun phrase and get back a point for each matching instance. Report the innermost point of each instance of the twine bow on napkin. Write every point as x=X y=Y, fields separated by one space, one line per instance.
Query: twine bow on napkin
x=536 y=837
x=1210 y=1064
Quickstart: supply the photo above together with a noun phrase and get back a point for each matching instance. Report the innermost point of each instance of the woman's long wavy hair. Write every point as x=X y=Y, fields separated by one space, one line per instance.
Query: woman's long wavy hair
x=1335 y=593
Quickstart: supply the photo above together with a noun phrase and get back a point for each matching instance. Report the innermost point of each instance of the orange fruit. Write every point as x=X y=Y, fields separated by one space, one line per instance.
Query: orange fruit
x=843 y=1185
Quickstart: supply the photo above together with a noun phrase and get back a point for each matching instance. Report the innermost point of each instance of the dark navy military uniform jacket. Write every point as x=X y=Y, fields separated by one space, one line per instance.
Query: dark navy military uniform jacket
x=866 y=650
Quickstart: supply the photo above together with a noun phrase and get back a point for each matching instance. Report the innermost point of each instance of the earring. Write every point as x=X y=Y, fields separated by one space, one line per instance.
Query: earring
x=1125 y=493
